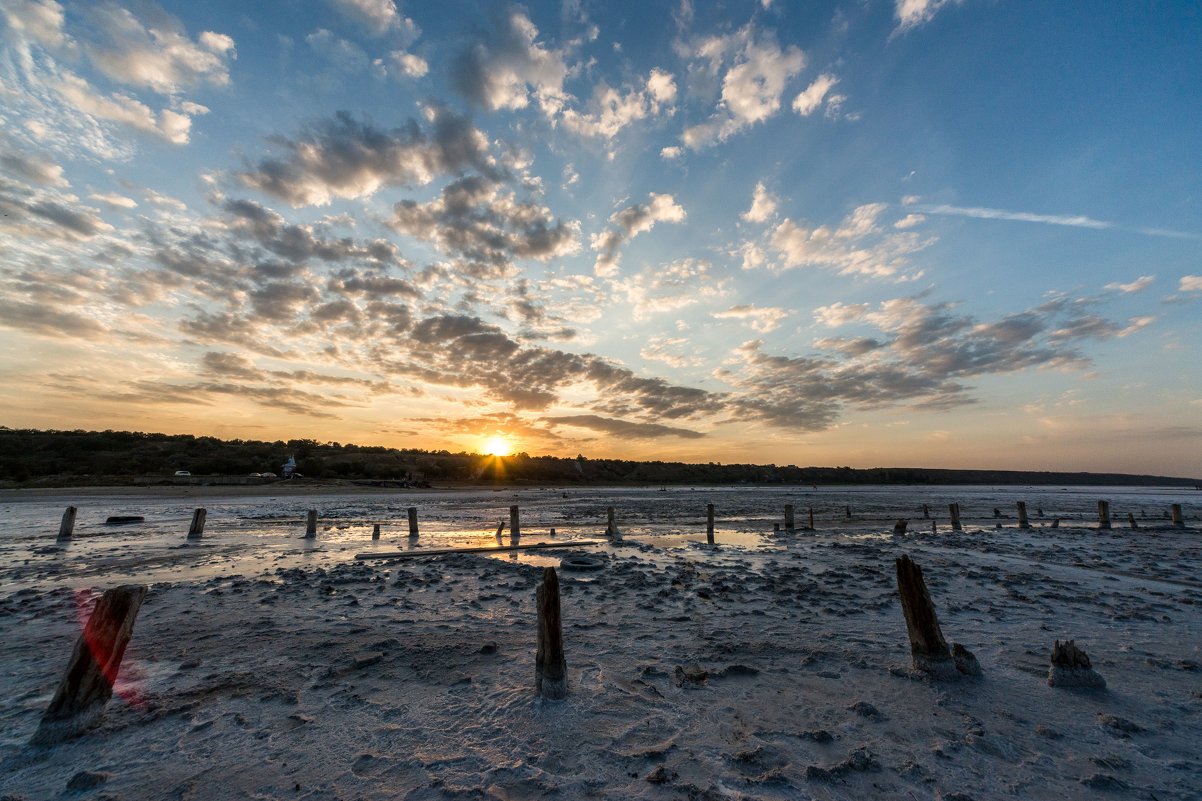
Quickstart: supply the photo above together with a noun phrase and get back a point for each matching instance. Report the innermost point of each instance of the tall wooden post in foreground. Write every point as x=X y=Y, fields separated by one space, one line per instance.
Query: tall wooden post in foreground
x=515 y=528
x=1103 y=514
x=197 y=529
x=88 y=683
x=375 y=531
x=1023 y=522
x=1178 y=520
x=311 y=525
x=67 y=527
x=550 y=667
x=709 y=523
x=953 y=509
x=789 y=529
x=928 y=649
x=412 y=522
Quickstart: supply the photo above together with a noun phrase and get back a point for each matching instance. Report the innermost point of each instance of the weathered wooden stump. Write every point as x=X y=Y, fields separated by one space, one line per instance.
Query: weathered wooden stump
x=311 y=524
x=515 y=526
x=88 y=683
x=1178 y=520
x=811 y=518
x=789 y=526
x=197 y=529
x=926 y=512
x=1103 y=514
x=709 y=523
x=1056 y=522
x=550 y=667
x=375 y=531
x=899 y=527
x=67 y=527
x=953 y=509
x=412 y=511
x=928 y=649
x=847 y=511
x=1131 y=520
x=1023 y=522
x=1071 y=668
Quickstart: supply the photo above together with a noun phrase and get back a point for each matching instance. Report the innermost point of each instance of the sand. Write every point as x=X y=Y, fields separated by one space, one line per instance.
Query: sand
x=774 y=667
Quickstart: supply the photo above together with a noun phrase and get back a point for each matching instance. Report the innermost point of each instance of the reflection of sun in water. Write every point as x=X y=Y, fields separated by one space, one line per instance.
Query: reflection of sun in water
x=497 y=446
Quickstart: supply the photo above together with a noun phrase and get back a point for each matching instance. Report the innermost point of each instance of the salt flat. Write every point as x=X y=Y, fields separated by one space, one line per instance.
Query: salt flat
x=265 y=666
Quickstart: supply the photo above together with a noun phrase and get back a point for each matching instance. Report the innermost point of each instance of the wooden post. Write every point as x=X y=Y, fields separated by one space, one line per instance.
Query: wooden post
x=88 y=683
x=928 y=649
x=412 y=522
x=550 y=667
x=847 y=510
x=375 y=531
x=953 y=509
x=197 y=529
x=1178 y=520
x=515 y=527
x=789 y=527
x=709 y=523
x=926 y=512
x=67 y=527
x=610 y=525
x=1103 y=514
x=500 y=528
x=1131 y=520
x=899 y=527
x=311 y=525
x=1022 y=515
x=811 y=518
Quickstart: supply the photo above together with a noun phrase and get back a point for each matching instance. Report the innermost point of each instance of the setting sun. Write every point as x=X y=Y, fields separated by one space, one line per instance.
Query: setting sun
x=497 y=446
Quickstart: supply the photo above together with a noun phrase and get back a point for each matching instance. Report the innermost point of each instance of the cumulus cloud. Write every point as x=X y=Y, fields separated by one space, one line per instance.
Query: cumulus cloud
x=40 y=20
x=1138 y=285
x=377 y=16
x=857 y=246
x=345 y=157
x=115 y=201
x=172 y=126
x=408 y=64
x=675 y=352
x=610 y=110
x=475 y=219
x=814 y=95
x=755 y=72
x=628 y=223
x=32 y=169
x=671 y=287
x=759 y=318
x=763 y=205
x=1190 y=283
x=912 y=13
x=840 y=313
x=510 y=67
x=156 y=54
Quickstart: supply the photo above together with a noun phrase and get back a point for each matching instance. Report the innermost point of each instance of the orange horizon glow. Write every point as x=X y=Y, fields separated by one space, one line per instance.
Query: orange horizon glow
x=497 y=445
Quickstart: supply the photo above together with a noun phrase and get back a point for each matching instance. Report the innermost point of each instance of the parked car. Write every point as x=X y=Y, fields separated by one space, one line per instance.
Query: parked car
x=182 y=473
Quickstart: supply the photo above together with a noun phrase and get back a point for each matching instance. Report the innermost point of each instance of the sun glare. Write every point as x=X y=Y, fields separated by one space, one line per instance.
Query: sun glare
x=497 y=446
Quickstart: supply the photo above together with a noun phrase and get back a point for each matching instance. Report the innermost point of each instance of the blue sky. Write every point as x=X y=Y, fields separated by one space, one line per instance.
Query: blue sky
x=922 y=232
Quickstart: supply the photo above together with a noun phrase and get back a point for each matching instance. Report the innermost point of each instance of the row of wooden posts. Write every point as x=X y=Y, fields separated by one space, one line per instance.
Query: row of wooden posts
x=199 y=516
x=87 y=684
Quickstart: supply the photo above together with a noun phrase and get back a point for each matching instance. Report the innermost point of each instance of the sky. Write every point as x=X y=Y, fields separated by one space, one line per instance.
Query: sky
x=938 y=233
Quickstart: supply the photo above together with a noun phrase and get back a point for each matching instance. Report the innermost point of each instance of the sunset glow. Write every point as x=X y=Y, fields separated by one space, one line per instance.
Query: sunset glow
x=497 y=446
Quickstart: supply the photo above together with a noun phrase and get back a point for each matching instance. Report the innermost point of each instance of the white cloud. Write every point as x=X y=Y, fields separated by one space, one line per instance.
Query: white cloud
x=378 y=16
x=40 y=21
x=169 y=125
x=670 y=152
x=115 y=200
x=609 y=110
x=857 y=247
x=510 y=68
x=158 y=56
x=811 y=99
x=912 y=13
x=671 y=287
x=672 y=351
x=760 y=318
x=909 y=221
x=409 y=64
x=1190 y=283
x=628 y=223
x=763 y=205
x=840 y=313
x=1138 y=285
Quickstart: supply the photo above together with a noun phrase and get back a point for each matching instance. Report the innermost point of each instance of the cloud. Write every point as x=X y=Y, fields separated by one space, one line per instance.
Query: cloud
x=670 y=287
x=810 y=100
x=344 y=56
x=628 y=223
x=756 y=73
x=858 y=246
x=41 y=21
x=610 y=110
x=840 y=313
x=670 y=351
x=348 y=158
x=475 y=220
x=1190 y=283
x=503 y=70
x=763 y=205
x=377 y=16
x=300 y=242
x=33 y=169
x=622 y=428
x=169 y=125
x=1138 y=285
x=156 y=55
x=115 y=201
x=760 y=318
x=409 y=64
x=37 y=318
x=912 y=13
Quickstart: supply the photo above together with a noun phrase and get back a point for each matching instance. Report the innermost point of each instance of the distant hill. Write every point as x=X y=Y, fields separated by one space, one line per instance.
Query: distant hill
x=73 y=458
